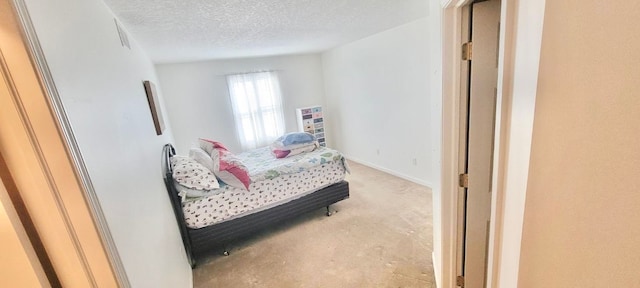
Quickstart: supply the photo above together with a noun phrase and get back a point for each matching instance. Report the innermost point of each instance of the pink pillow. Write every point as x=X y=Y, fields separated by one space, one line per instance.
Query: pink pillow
x=208 y=145
x=231 y=170
x=281 y=153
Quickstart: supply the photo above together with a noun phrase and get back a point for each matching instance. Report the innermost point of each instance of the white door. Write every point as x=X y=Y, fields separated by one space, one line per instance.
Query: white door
x=484 y=23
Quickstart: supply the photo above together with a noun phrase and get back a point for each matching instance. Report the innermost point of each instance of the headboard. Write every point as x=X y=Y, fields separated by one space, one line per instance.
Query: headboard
x=167 y=152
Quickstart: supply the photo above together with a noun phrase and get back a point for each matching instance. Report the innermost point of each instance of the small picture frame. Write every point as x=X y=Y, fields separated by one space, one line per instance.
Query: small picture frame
x=154 y=105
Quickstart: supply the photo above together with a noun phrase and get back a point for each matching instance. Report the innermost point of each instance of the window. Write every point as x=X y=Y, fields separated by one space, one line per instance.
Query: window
x=257 y=108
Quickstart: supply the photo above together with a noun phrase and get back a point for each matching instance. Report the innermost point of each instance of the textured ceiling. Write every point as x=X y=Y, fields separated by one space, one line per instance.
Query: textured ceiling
x=177 y=31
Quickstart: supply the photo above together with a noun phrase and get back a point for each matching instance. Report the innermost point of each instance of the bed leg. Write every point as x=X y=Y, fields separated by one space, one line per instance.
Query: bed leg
x=328 y=211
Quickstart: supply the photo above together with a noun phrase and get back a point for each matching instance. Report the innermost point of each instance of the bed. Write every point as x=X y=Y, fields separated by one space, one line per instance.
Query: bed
x=210 y=224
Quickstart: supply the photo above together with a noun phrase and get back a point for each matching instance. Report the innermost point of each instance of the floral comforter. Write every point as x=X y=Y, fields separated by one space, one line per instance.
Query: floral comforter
x=262 y=164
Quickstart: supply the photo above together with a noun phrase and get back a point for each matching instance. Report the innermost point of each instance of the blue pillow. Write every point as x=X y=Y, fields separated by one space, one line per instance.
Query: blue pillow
x=296 y=138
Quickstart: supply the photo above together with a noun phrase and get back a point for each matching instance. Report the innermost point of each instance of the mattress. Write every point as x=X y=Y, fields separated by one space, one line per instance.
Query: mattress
x=273 y=182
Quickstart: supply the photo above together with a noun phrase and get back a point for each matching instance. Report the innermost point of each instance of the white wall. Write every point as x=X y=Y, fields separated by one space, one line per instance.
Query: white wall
x=198 y=101
x=378 y=101
x=100 y=84
x=436 y=91
x=582 y=202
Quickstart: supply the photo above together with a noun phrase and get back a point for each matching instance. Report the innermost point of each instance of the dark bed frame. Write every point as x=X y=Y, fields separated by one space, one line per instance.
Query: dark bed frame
x=201 y=242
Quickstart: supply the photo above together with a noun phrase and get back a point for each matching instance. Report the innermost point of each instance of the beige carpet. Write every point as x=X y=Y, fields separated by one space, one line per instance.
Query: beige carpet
x=380 y=237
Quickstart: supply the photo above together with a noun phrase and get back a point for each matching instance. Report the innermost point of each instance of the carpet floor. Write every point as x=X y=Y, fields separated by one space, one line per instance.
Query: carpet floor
x=380 y=237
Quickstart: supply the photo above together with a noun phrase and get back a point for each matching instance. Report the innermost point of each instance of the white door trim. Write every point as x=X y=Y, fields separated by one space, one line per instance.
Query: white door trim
x=520 y=42
x=451 y=64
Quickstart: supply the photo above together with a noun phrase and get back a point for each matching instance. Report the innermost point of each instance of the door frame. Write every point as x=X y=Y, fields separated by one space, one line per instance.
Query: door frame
x=522 y=22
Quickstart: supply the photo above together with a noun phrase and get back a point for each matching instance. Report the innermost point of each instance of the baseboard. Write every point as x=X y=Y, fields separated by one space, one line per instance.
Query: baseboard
x=436 y=269
x=386 y=170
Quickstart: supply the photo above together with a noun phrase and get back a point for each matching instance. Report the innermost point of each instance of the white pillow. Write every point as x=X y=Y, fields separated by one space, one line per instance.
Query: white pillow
x=203 y=158
x=291 y=151
x=192 y=174
x=193 y=193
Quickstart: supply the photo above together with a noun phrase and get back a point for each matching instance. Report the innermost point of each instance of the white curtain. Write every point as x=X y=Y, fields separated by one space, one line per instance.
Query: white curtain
x=257 y=108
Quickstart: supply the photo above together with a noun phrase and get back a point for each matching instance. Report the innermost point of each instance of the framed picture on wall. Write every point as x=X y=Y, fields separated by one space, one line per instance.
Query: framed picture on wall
x=154 y=105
